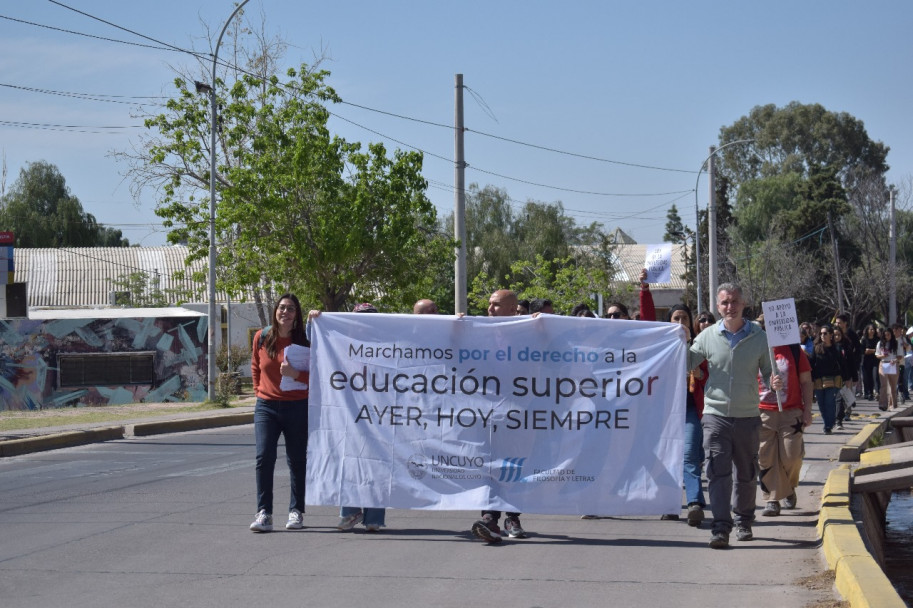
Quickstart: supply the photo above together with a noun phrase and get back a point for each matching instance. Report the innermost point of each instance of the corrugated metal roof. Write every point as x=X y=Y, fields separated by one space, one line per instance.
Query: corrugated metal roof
x=76 y=277
x=84 y=276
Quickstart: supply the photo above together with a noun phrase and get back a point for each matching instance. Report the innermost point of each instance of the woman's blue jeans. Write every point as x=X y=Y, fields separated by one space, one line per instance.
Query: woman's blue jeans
x=694 y=457
x=827 y=405
x=272 y=419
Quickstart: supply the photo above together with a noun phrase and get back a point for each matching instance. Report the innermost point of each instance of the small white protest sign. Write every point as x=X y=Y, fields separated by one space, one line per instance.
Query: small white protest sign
x=781 y=322
x=659 y=263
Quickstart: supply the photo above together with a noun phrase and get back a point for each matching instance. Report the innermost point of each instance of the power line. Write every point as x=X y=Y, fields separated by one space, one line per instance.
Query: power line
x=166 y=45
x=58 y=29
x=86 y=96
x=518 y=142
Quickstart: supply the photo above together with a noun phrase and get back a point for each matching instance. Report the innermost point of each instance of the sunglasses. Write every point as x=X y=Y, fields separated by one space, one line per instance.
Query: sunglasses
x=615 y=315
x=704 y=320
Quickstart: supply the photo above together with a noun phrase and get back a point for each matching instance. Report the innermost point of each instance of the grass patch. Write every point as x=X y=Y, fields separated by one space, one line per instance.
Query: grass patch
x=23 y=420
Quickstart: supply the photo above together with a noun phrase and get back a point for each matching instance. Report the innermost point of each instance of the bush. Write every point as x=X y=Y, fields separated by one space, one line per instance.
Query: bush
x=239 y=354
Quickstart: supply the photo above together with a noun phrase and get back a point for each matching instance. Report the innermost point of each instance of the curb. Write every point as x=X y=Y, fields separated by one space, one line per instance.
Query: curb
x=16 y=447
x=69 y=439
x=188 y=424
x=859 y=578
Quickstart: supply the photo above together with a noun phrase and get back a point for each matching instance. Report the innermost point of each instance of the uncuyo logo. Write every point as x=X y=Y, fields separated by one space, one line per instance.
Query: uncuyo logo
x=512 y=469
x=416 y=465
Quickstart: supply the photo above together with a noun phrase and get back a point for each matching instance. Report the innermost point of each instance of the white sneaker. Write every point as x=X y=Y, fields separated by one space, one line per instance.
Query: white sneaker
x=263 y=522
x=349 y=522
x=295 y=520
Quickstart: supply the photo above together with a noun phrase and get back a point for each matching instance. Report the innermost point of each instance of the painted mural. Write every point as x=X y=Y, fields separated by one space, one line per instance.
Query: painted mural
x=29 y=349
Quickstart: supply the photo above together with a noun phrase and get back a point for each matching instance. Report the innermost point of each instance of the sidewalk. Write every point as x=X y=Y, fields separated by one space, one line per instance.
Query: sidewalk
x=789 y=542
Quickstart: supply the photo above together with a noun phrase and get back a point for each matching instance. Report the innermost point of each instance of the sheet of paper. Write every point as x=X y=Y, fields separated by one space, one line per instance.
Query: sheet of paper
x=298 y=357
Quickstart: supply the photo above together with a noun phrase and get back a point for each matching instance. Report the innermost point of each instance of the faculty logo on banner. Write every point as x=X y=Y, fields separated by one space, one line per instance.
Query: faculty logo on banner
x=549 y=415
x=512 y=469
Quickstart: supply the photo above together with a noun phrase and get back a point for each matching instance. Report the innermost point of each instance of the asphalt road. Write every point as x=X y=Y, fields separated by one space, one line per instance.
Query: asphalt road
x=163 y=521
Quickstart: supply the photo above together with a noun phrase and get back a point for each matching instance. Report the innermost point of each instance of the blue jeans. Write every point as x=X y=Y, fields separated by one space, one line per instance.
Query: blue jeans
x=694 y=457
x=732 y=449
x=827 y=405
x=271 y=419
x=373 y=516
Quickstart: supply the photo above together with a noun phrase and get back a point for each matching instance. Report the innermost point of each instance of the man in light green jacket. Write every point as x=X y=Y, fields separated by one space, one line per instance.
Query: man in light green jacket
x=735 y=350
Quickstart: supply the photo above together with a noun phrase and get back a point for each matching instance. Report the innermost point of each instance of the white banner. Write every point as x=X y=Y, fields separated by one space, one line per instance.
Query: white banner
x=545 y=415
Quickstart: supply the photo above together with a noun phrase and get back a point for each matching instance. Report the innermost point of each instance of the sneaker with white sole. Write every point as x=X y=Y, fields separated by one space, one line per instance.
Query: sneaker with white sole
x=772 y=509
x=487 y=529
x=263 y=522
x=372 y=527
x=295 y=520
x=695 y=514
x=513 y=528
x=349 y=521
x=790 y=501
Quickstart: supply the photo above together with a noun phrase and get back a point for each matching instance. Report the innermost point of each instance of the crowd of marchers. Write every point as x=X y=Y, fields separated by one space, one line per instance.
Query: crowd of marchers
x=747 y=406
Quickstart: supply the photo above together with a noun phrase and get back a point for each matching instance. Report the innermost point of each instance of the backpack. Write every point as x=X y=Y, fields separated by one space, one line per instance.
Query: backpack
x=263 y=332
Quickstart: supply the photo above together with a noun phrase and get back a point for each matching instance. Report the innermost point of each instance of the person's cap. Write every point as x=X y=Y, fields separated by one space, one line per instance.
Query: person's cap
x=364 y=307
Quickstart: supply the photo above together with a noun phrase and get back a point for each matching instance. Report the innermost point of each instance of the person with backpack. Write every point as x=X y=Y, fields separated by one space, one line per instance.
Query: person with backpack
x=279 y=412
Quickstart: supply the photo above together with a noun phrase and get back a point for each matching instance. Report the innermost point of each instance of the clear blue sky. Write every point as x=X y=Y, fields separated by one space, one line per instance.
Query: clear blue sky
x=647 y=83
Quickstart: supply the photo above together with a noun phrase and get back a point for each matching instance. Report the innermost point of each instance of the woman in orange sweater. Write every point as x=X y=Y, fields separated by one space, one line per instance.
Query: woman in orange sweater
x=279 y=412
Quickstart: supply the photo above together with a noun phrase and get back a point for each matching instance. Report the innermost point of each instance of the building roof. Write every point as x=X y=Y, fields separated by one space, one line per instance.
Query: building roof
x=81 y=277
x=76 y=277
x=112 y=313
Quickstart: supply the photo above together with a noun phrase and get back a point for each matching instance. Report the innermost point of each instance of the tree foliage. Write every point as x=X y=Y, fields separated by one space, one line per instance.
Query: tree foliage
x=42 y=212
x=298 y=208
x=807 y=180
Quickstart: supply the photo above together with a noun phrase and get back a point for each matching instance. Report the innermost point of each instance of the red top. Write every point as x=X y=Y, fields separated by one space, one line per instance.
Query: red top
x=265 y=372
x=790 y=371
x=695 y=385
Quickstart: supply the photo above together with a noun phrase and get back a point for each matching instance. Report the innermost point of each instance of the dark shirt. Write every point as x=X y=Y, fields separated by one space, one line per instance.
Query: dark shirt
x=828 y=363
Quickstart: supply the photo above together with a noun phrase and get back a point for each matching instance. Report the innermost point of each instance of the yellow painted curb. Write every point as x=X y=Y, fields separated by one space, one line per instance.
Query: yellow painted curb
x=837 y=487
x=853 y=449
x=832 y=516
x=878 y=457
x=859 y=578
x=841 y=539
x=862 y=583
x=26 y=445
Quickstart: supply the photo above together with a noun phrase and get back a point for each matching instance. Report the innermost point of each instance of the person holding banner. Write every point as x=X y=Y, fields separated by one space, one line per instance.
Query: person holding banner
x=279 y=412
x=735 y=349
x=502 y=303
x=374 y=518
x=697 y=378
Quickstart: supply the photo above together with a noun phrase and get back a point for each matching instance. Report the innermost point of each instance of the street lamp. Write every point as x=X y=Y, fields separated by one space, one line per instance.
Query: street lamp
x=211 y=336
x=711 y=241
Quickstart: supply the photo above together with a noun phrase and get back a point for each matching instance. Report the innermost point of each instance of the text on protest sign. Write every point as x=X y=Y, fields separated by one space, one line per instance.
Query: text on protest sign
x=659 y=263
x=781 y=322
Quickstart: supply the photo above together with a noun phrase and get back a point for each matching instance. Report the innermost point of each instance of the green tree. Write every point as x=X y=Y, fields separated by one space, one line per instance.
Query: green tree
x=42 y=212
x=299 y=208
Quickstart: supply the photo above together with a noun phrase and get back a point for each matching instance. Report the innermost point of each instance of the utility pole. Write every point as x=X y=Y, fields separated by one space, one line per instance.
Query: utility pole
x=713 y=273
x=459 y=202
x=892 y=263
x=830 y=228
